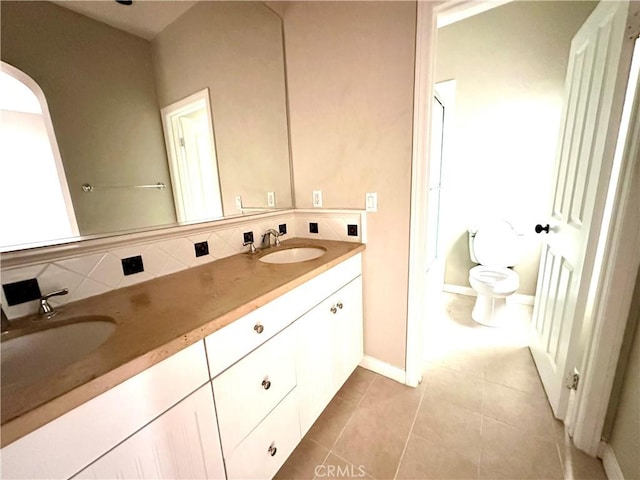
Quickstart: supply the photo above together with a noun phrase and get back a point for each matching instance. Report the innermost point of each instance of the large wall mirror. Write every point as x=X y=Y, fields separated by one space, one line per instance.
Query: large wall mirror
x=107 y=72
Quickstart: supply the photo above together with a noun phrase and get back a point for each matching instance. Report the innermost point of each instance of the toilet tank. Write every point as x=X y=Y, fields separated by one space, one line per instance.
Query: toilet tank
x=494 y=243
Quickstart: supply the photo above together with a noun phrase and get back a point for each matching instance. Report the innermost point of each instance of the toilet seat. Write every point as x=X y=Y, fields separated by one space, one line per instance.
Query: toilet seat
x=495 y=281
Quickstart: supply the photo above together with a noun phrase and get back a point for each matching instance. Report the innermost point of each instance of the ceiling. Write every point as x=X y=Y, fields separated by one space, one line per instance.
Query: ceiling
x=145 y=18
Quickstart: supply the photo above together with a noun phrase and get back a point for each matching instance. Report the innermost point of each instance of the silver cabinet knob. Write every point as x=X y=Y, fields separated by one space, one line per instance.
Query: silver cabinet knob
x=258 y=328
x=340 y=305
x=272 y=449
x=333 y=309
x=266 y=384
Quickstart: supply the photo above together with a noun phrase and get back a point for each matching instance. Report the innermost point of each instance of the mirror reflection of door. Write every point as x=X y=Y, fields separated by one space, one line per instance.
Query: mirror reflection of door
x=191 y=151
x=435 y=168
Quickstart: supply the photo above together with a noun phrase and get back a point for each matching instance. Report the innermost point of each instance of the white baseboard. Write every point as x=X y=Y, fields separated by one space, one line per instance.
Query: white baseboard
x=383 y=368
x=523 y=299
x=610 y=462
x=515 y=298
x=449 y=288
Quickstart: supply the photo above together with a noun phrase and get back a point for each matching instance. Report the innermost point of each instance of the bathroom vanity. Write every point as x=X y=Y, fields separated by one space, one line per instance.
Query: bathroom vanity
x=226 y=395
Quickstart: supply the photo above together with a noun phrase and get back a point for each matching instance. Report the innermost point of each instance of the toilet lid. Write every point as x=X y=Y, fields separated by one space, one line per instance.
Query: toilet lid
x=496 y=244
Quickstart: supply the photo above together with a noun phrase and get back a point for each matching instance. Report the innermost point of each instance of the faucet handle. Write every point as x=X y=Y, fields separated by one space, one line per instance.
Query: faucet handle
x=56 y=293
x=45 y=308
x=253 y=247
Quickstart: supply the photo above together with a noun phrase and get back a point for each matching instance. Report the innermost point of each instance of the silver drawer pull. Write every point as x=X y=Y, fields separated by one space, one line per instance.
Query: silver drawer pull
x=333 y=309
x=340 y=305
x=266 y=384
x=258 y=328
x=272 y=449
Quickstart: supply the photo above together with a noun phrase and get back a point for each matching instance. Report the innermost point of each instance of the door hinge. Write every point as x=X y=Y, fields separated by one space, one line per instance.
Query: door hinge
x=181 y=142
x=573 y=379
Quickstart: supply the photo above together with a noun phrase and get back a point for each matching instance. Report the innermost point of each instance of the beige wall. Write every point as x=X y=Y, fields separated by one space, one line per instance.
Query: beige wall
x=234 y=49
x=625 y=436
x=350 y=72
x=87 y=71
x=509 y=65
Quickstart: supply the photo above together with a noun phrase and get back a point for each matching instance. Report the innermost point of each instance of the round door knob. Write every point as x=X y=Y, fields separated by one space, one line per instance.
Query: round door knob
x=266 y=384
x=258 y=328
x=272 y=450
x=334 y=309
x=540 y=228
x=340 y=305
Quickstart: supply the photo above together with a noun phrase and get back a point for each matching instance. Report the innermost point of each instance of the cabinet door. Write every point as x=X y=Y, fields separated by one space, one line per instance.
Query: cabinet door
x=313 y=364
x=181 y=443
x=346 y=332
x=329 y=349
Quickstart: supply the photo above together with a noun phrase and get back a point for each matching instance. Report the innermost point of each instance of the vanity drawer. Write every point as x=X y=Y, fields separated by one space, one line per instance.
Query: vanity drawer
x=231 y=343
x=266 y=448
x=235 y=340
x=248 y=391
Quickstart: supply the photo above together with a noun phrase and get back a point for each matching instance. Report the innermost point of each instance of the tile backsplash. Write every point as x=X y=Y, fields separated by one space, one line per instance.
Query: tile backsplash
x=99 y=272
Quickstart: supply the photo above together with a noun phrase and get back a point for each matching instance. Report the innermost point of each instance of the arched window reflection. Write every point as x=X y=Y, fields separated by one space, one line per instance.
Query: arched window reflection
x=29 y=156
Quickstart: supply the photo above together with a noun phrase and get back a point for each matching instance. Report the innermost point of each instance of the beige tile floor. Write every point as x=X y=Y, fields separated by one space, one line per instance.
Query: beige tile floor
x=480 y=413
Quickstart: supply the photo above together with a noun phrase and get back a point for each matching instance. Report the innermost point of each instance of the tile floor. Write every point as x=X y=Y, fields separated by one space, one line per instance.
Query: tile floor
x=480 y=412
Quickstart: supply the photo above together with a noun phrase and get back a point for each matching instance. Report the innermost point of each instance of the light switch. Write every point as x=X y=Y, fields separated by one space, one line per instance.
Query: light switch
x=239 y=202
x=371 y=202
x=271 y=199
x=317 y=198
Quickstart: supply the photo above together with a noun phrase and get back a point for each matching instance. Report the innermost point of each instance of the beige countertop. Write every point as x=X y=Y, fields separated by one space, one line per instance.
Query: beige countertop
x=156 y=319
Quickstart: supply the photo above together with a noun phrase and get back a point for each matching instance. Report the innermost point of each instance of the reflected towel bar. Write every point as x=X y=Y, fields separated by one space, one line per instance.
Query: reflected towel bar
x=87 y=187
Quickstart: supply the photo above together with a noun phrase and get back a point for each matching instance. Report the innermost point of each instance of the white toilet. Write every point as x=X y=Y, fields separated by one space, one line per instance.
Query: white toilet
x=495 y=246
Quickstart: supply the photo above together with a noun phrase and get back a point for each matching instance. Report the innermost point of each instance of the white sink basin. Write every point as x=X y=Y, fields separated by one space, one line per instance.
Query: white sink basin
x=293 y=255
x=32 y=356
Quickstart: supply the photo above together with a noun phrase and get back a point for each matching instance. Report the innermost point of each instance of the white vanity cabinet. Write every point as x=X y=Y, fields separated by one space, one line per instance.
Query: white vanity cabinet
x=268 y=400
x=68 y=444
x=182 y=443
x=246 y=394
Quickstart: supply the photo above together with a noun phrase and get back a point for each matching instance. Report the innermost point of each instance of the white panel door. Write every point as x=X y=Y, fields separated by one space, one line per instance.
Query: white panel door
x=600 y=57
x=181 y=443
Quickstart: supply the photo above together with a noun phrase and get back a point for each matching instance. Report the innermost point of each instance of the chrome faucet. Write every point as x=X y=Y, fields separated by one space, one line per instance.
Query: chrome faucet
x=266 y=238
x=253 y=249
x=46 y=309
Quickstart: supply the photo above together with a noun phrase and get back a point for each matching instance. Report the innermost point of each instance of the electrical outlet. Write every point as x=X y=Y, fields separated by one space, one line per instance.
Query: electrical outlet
x=313 y=227
x=238 y=202
x=352 y=230
x=21 y=292
x=132 y=265
x=282 y=228
x=201 y=248
x=248 y=237
x=317 y=198
x=271 y=199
